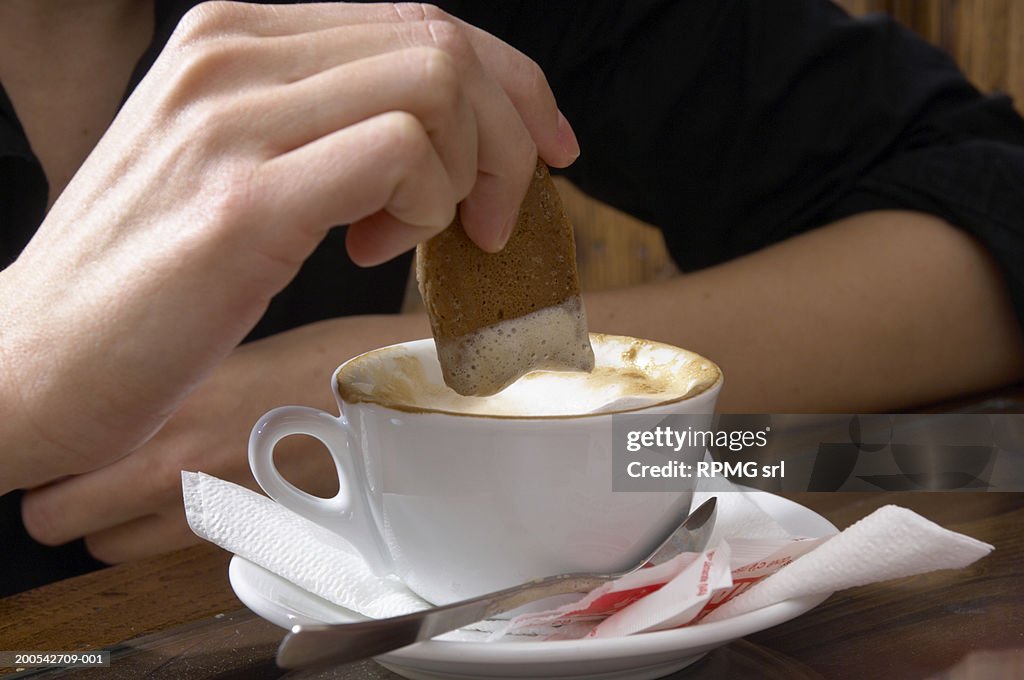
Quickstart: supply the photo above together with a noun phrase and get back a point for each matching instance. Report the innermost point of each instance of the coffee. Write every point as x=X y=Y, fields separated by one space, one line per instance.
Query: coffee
x=629 y=374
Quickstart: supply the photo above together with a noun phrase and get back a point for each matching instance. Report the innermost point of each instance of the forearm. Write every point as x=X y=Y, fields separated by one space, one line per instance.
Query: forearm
x=186 y=219
x=132 y=507
x=881 y=311
x=324 y=345
x=296 y=366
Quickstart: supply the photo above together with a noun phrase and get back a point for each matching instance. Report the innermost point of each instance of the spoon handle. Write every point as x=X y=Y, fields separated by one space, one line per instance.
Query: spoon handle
x=309 y=646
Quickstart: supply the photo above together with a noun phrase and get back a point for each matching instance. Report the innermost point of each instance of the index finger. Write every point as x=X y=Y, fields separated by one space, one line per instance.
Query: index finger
x=522 y=79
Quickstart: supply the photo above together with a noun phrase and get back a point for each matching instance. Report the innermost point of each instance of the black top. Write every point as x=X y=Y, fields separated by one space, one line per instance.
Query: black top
x=732 y=125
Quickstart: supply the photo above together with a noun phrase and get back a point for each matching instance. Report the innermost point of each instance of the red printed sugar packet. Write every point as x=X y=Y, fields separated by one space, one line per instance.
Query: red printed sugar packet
x=616 y=595
x=677 y=602
x=743 y=574
x=724 y=573
x=673 y=594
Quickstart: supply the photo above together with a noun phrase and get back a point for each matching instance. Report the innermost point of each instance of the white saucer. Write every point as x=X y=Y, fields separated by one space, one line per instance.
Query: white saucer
x=638 y=657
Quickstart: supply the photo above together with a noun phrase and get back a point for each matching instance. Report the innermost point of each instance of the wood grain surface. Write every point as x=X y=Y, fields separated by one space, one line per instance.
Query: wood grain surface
x=118 y=603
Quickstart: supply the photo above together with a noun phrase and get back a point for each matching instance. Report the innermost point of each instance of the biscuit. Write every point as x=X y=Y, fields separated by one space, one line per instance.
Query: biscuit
x=498 y=316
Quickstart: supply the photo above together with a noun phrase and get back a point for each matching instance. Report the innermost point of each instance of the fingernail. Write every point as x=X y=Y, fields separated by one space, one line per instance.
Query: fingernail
x=567 y=138
x=506 y=230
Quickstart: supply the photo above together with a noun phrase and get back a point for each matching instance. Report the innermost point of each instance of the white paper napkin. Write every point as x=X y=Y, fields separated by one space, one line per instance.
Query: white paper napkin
x=891 y=542
x=266 y=533
x=255 y=527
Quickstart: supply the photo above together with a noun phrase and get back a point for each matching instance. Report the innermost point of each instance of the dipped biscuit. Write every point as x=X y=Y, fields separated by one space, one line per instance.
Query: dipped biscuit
x=498 y=316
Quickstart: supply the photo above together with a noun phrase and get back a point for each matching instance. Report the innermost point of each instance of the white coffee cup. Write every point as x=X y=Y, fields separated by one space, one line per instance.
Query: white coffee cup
x=456 y=503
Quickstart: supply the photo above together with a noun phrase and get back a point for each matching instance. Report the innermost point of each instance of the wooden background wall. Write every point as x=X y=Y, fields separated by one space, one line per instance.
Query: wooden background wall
x=986 y=37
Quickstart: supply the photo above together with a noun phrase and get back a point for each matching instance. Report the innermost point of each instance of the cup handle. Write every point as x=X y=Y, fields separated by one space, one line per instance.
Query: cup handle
x=348 y=512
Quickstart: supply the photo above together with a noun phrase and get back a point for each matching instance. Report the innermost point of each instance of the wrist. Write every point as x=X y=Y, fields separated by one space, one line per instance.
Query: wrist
x=14 y=425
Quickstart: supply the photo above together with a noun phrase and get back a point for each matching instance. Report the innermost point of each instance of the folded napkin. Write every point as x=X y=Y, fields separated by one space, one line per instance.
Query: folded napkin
x=890 y=543
x=320 y=561
x=253 y=526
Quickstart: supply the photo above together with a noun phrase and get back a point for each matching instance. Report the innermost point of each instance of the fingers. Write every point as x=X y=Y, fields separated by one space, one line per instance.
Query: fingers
x=143 y=537
x=491 y=210
x=469 y=118
x=375 y=239
x=84 y=504
x=133 y=508
x=463 y=84
x=421 y=81
x=524 y=83
x=348 y=175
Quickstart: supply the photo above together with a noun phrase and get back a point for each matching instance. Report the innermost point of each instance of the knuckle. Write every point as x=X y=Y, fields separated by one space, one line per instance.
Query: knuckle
x=207 y=20
x=204 y=118
x=200 y=72
x=199 y=64
x=526 y=80
x=447 y=36
x=211 y=19
x=419 y=11
x=405 y=131
x=207 y=120
x=236 y=197
x=191 y=28
x=532 y=76
x=441 y=79
x=406 y=143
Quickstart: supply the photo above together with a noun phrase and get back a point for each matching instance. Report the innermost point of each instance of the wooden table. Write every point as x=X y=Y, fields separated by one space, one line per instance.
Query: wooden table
x=182 y=620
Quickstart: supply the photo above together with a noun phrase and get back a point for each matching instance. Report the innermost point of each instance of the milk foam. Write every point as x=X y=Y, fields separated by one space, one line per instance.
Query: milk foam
x=628 y=374
x=493 y=357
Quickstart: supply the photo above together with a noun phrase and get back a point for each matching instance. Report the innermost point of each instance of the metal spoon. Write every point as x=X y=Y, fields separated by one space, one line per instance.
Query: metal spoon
x=310 y=646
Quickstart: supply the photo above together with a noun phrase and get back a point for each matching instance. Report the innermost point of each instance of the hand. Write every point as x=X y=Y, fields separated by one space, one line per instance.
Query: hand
x=132 y=508
x=257 y=129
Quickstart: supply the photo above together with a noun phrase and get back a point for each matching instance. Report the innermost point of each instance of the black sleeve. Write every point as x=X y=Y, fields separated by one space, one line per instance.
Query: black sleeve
x=23 y=187
x=736 y=124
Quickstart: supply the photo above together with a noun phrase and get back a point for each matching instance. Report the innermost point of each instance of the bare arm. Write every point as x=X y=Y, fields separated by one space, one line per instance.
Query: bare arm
x=257 y=129
x=880 y=311
x=132 y=507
